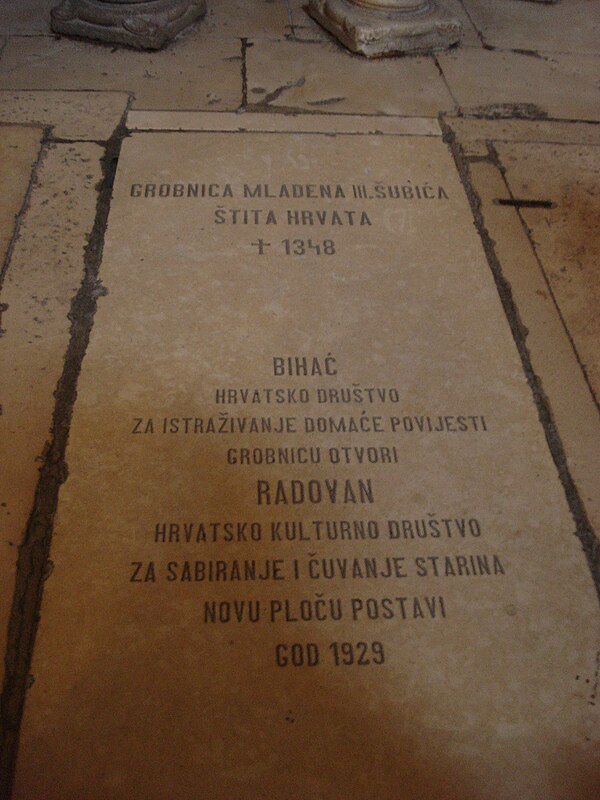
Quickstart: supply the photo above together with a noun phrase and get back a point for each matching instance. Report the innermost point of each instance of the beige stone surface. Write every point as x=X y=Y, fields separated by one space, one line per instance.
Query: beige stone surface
x=71 y=115
x=143 y=697
x=470 y=35
x=566 y=238
x=325 y=78
x=25 y=16
x=304 y=26
x=563 y=383
x=19 y=147
x=258 y=19
x=294 y=123
x=513 y=84
x=194 y=72
x=43 y=275
x=469 y=129
x=569 y=26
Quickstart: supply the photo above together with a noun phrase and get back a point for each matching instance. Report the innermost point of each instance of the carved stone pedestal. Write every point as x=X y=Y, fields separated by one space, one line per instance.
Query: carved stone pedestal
x=387 y=27
x=145 y=24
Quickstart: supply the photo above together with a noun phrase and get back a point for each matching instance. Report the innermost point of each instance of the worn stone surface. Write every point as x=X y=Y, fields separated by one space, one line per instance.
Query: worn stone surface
x=569 y=26
x=375 y=32
x=70 y=115
x=562 y=381
x=25 y=17
x=260 y=19
x=293 y=123
x=305 y=28
x=502 y=84
x=470 y=129
x=196 y=72
x=566 y=237
x=19 y=147
x=325 y=78
x=139 y=688
x=43 y=275
x=143 y=24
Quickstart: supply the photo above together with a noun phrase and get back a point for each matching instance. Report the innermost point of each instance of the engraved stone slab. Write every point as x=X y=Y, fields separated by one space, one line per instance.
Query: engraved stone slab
x=312 y=543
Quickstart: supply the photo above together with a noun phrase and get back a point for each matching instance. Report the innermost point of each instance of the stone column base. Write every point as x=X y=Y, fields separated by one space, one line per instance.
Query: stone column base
x=376 y=32
x=144 y=24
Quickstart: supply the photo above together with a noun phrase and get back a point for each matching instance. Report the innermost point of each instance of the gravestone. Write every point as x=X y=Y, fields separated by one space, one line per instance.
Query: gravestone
x=313 y=543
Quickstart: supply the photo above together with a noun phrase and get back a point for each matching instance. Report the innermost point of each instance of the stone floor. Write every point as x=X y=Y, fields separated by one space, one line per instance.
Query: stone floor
x=518 y=103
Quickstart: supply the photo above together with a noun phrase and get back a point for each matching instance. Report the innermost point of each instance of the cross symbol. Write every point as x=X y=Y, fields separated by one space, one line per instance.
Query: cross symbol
x=261 y=244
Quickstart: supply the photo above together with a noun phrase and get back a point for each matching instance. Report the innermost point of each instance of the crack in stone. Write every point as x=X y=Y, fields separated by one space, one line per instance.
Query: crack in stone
x=446 y=84
x=290 y=17
x=328 y=101
x=508 y=111
x=274 y=95
x=245 y=46
x=470 y=18
x=531 y=53
x=33 y=179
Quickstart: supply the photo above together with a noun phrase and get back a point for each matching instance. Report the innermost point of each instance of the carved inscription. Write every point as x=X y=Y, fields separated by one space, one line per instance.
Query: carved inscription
x=312 y=543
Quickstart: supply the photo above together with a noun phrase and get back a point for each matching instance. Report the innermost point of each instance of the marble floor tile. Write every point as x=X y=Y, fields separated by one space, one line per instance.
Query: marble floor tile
x=511 y=84
x=257 y=19
x=472 y=129
x=70 y=115
x=194 y=72
x=326 y=78
x=569 y=26
x=25 y=17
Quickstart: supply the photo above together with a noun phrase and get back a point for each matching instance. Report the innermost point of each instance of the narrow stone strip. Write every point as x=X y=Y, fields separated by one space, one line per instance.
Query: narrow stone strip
x=24 y=206
x=33 y=565
x=585 y=532
x=528 y=233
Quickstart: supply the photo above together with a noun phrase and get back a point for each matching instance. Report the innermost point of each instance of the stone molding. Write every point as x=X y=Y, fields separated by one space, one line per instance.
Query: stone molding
x=143 y=24
x=388 y=27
